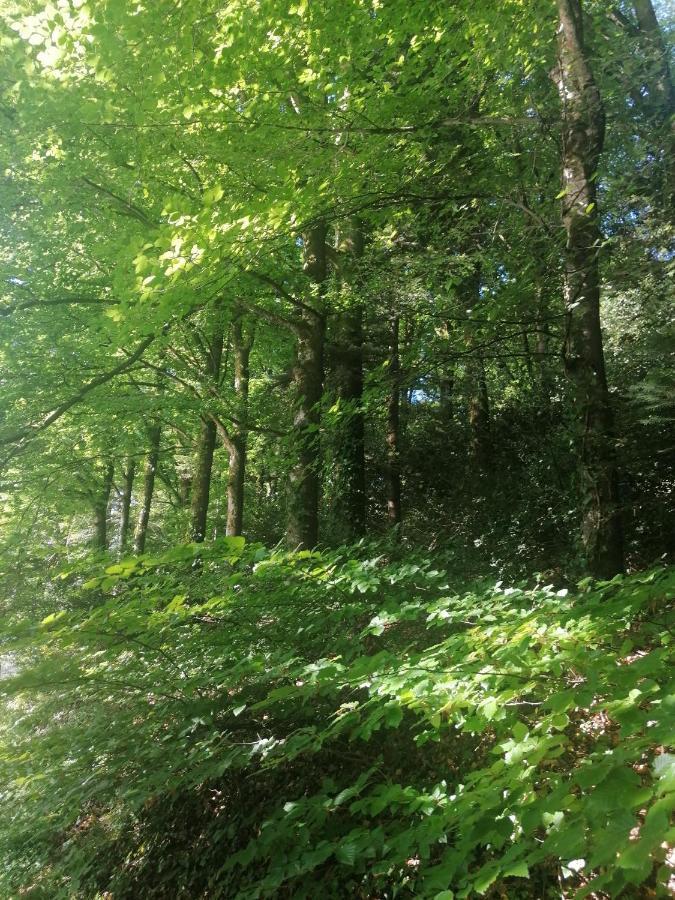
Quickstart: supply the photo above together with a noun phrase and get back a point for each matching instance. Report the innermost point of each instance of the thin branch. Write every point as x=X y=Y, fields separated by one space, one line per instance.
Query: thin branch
x=28 y=432
x=132 y=210
x=446 y=122
x=36 y=303
x=281 y=290
x=191 y=167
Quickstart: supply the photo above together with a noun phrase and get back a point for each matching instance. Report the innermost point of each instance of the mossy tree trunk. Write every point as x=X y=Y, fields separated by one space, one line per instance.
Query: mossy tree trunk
x=583 y=129
x=302 y=529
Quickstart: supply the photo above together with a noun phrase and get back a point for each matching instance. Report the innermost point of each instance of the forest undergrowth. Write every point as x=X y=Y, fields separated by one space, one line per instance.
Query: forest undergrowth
x=223 y=720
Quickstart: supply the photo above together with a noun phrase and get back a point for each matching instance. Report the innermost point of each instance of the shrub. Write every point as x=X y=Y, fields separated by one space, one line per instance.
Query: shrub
x=226 y=721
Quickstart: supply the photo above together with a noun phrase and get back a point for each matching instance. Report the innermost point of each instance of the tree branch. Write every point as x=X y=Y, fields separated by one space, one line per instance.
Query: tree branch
x=131 y=209
x=36 y=303
x=28 y=432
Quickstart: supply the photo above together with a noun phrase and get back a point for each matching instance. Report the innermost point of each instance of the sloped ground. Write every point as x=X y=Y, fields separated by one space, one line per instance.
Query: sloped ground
x=225 y=721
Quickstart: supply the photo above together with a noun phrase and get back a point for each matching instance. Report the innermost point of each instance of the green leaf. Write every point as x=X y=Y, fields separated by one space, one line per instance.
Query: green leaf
x=517 y=870
x=346 y=853
x=520 y=732
x=486 y=876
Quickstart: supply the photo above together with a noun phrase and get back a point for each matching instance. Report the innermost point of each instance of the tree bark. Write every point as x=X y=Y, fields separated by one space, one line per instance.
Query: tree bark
x=479 y=413
x=445 y=388
x=543 y=374
x=184 y=489
x=446 y=380
x=201 y=483
x=101 y=509
x=527 y=356
x=479 y=401
x=350 y=459
x=659 y=80
x=583 y=137
x=201 y=480
x=393 y=467
x=241 y=345
x=302 y=531
x=660 y=87
x=127 y=491
x=141 y=532
x=236 y=481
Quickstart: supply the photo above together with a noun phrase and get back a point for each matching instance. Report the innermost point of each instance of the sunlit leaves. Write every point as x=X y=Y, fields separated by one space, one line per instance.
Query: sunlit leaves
x=438 y=749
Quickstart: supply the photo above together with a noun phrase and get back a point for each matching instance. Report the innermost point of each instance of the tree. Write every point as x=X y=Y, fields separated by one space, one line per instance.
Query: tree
x=583 y=137
x=304 y=477
x=347 y=372
x=212 y=351
x=149 y=475
x=242 y=344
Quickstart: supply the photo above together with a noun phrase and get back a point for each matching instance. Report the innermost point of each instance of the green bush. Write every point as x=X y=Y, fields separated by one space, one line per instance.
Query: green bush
x=226 y=721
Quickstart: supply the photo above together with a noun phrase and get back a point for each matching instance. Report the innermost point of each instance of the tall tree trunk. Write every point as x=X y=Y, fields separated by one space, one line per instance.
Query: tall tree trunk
x=527 y=356
x=201 y=480
x=445 y=389
x=350 y=459
x=236 y=480
x=446 y=375
x=127 y=491
x=237 y=448
x=393 y=467
x=659 y=80
x=583 y=137
x=479 y=413
x=479 y=401
x=101 y=509
x=446 y=379
x=152 y=460
x=543 y=376
x=201 y=483
x=302 y=529
x=660 y=87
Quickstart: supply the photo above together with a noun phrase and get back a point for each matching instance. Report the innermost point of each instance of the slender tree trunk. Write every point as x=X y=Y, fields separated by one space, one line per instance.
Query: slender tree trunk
x=152 y=460
x=583 y=136
x=201 y=483
x=446 y=382
x=201 y=480
x=101 y=509
x=541 y=346
x=479 y=413
x=393 y=468
x=543 y=374
x=445 y=389
x=527 y=356
x=446 y=376
x=479 y=401
x=305 y=477
x=350 y=458
x=127 y=491
x=236 y=481
x=238 y=445
x=184 y=489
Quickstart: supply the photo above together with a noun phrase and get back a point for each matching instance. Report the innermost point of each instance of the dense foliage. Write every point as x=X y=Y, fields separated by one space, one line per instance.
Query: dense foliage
x=226 y=721
x=336 y=448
